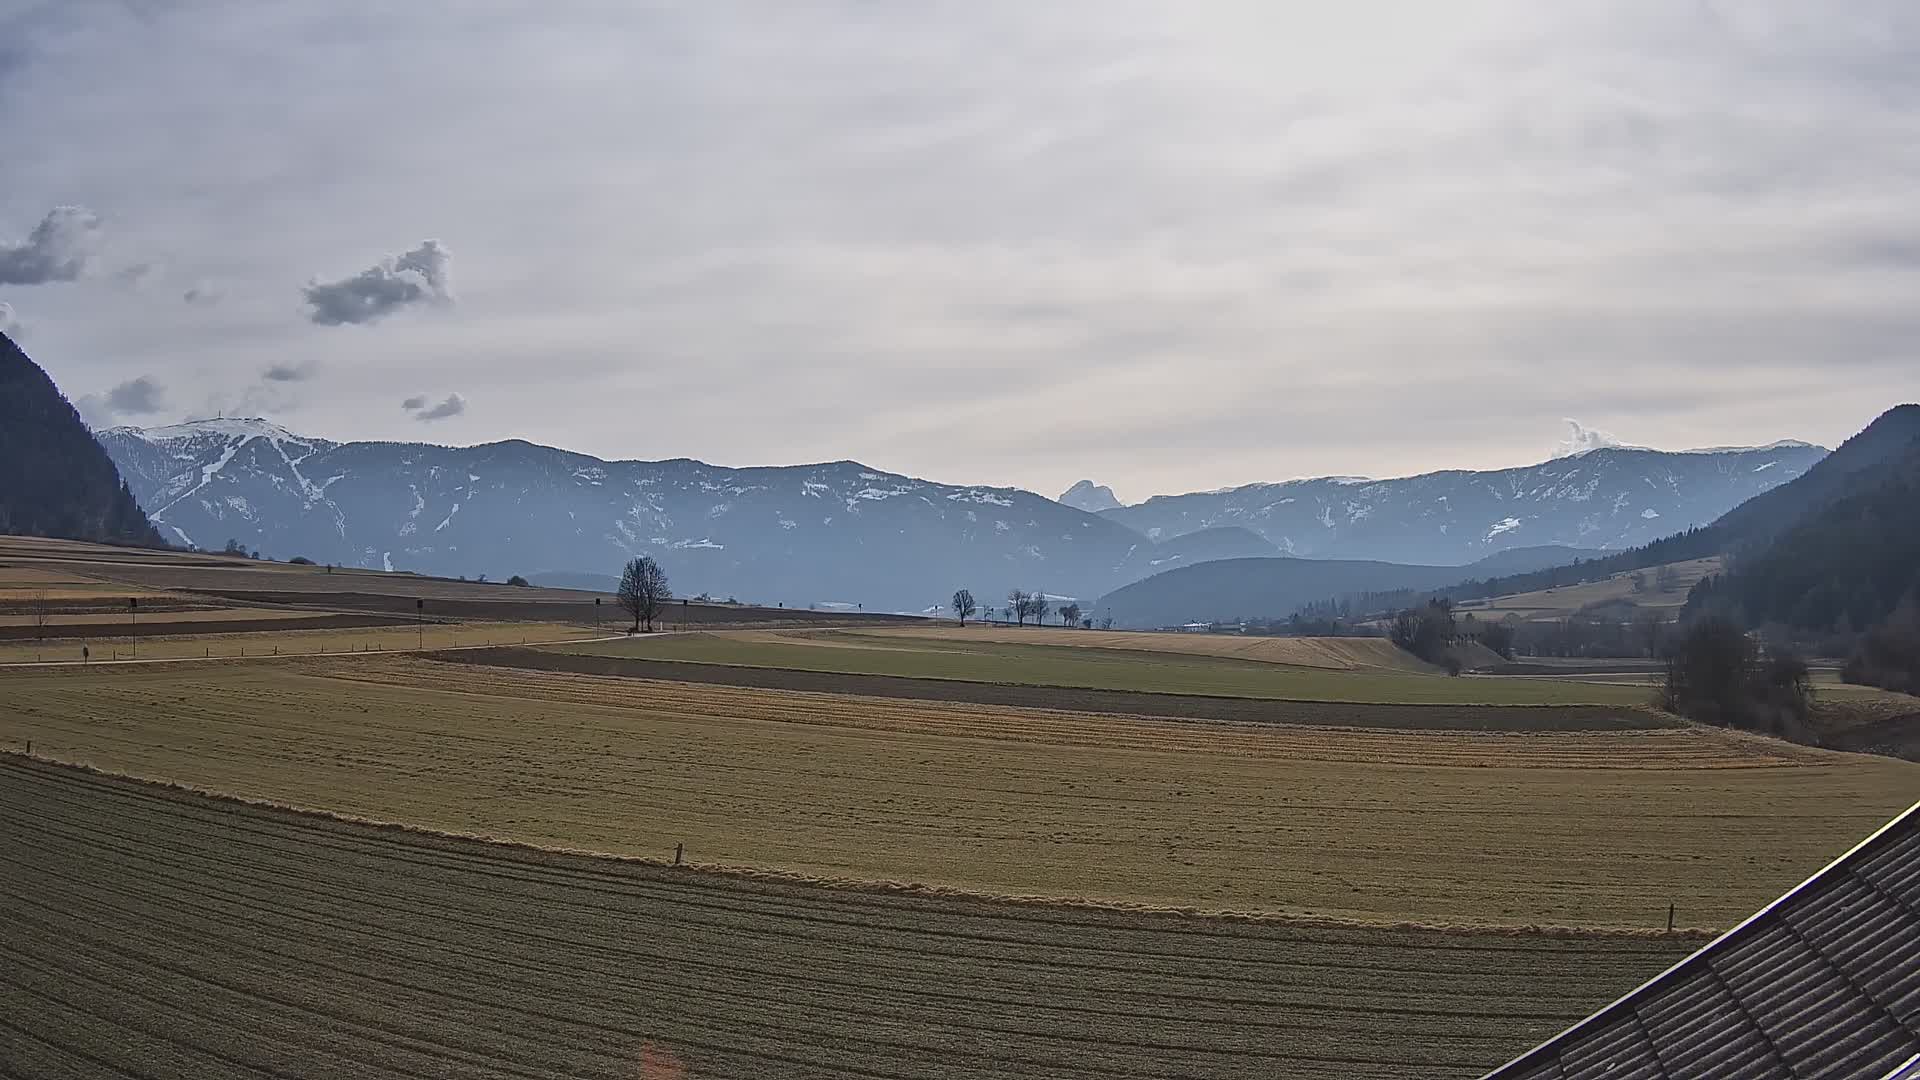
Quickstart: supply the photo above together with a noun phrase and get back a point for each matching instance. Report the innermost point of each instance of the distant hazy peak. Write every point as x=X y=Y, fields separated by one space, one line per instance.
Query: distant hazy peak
x=1089 y=496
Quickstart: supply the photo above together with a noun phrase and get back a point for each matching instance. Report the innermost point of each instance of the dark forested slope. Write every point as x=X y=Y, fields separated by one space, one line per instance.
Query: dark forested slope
x=55 y=480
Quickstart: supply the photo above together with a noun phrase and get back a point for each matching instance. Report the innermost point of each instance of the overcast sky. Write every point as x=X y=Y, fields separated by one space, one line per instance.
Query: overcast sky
x=1165 y=246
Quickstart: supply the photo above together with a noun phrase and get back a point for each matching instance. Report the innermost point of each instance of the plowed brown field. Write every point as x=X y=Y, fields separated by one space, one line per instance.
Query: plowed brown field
x=169 y=936
x=1578 y=829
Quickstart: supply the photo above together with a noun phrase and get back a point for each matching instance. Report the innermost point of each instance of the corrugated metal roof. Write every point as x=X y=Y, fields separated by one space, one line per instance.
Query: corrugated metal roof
x=1821 y=984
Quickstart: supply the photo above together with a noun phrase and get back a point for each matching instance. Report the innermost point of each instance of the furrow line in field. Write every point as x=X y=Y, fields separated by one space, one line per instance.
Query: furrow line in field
x=1126 y=1003
x=617 y=879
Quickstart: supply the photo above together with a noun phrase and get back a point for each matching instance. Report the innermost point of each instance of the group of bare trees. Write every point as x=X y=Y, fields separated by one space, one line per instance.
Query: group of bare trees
x=1021 y=607
x=643 y=591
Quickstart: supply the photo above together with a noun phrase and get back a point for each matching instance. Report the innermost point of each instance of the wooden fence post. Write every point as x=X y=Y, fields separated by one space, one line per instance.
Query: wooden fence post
x=678 y=850
x=1669 y=918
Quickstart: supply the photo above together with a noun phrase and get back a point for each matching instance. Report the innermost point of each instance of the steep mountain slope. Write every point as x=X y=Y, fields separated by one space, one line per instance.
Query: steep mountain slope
x=1611 y=498
x=1847 y=561
x=834 y=532
x=1885 y=441
x=54 y=478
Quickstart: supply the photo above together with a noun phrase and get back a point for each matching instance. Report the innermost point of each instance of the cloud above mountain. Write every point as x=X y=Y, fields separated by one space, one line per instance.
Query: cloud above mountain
x=421 y=276
x=10 y=323
x=1172 y=246
x=1580 y=438
x=290 y=372
x=142 y=396
x=58 y=248
x=452 y=405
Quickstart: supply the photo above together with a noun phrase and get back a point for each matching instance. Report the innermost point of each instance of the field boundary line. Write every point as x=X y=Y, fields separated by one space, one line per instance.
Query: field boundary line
x=945 y=680
x=9 y=664
x=14 y=758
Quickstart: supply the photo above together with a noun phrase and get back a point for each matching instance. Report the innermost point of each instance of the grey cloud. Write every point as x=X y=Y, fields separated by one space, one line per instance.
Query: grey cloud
x=454 y=405
x=135 y=275
x=57 y=249
x=135 y=397
x=290 y=372
x=1275 y=225
x=9 y=322
x=420 y=276
x=417 y=401
x=202 y=295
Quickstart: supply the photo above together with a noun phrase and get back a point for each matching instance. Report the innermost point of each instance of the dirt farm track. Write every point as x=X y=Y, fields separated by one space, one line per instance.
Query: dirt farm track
x=160 y=934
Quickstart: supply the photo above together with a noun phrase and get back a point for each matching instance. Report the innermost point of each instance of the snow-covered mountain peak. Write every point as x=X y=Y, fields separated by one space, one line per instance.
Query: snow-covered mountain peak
x=224 y=427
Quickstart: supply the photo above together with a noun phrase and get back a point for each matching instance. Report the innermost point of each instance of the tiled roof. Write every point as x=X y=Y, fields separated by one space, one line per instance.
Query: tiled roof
x=1822 y=984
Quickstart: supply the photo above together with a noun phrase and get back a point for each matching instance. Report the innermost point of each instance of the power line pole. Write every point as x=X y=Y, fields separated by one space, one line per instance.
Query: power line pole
x=420 y=620
x=133 y=610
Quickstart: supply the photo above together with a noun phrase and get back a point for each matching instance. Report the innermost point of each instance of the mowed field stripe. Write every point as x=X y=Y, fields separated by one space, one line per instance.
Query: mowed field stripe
x=370 y=951
x=1504 y=828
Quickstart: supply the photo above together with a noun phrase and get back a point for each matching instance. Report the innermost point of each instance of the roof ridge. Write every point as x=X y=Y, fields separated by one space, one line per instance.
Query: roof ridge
x=1881 y=837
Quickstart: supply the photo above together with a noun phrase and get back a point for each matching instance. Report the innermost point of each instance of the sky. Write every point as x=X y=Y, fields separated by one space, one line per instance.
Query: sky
x=1163 y=246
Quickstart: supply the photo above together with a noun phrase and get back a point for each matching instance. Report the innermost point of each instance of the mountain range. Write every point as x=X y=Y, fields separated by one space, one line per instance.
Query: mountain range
x=832 y=533
x=842 y=532
x=1608 y=498
x=1832 y=547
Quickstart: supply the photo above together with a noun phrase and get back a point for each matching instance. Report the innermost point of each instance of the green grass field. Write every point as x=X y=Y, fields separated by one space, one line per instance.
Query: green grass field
x=1118 y=669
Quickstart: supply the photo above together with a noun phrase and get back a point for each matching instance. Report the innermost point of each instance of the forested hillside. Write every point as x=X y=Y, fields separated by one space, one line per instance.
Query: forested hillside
x=1842 y=569
x=55 y=480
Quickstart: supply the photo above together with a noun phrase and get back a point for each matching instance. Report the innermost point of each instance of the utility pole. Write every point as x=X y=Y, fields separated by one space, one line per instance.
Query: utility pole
x=133 y=611
x=420 y=620
x=596 y=614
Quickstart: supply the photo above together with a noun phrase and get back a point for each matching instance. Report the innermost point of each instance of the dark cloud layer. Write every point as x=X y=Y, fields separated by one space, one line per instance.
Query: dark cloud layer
x=57 y=249
x=453 y=405
x=142 y=396
x=421 y=276
x=290 y=372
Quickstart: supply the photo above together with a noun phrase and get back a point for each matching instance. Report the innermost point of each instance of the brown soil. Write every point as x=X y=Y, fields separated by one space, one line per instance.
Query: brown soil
x=58 y=631
x=1197 y=707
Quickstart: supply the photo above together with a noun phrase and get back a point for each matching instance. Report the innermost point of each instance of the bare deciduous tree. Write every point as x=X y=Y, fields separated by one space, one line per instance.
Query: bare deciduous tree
x=40 y=609
x=1020 y=604
x=643 y=591
x=1070 y=615
x=964 y=606
x=1040 y=608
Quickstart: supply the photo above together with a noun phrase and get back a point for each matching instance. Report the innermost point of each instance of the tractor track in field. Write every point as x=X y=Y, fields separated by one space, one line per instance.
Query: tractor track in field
x=1424 y=717
x=165 y=934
